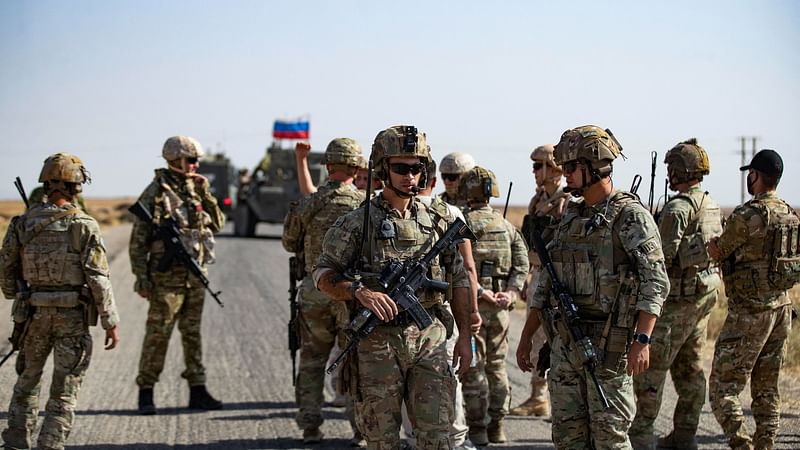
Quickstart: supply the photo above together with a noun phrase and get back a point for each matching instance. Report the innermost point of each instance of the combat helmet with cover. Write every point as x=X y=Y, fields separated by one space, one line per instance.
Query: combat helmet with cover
x=686 y=161
x=457 y=162
x=399 y=140
x=63 y=172
x=479 y=185
x=545 y=154
x=177 y=147
x=591 y=146
x=344 y=151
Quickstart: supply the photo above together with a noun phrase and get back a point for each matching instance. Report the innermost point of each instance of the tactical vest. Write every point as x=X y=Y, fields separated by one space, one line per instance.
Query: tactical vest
x=492 y=251
x=186 y=207
x=694 y=272
x=321 y=212
x=591 y=263
x=776 y=267
x=50 y=265
x=392 y=237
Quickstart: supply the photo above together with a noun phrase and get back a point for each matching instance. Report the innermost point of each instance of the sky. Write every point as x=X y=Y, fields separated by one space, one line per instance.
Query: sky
x=110 y=80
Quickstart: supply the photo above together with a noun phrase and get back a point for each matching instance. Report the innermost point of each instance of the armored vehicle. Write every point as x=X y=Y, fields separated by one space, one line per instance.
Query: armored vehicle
x=221 y=175
x=266 y=195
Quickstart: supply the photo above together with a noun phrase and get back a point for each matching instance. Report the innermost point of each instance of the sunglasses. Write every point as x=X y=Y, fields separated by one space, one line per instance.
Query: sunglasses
x=571 y=166
x=538 y=165
x=192 y=160
x=405 y=169
x=450 y=176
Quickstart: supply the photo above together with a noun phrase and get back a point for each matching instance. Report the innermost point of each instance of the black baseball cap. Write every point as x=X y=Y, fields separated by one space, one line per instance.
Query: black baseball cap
x=766 y=161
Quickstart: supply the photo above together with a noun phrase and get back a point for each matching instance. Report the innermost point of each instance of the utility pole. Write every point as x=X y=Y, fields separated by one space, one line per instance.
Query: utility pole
x=743 y=140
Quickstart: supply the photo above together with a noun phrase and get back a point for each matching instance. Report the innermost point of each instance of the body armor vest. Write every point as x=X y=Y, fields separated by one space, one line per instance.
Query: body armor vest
x=694 y=272
x=590 y=261
x=492 y=251
x=771 y=265
x=184 y=205
x=49 y=262
x=321 y=214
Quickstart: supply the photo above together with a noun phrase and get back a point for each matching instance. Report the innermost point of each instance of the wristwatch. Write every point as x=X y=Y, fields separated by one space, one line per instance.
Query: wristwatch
x=354 y=286
x=641 y=338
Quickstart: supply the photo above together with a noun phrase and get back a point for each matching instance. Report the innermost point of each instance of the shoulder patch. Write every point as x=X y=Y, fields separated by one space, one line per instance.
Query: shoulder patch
x=648 y=246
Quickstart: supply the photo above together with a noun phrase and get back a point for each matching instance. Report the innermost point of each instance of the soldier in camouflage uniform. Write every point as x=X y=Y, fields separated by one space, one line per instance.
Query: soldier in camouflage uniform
x=758 y=250
x=56 y=251
x=688 y=222
x=501 y=260
x=180 y=193
x=607 y=253
x=398 y=362
x=544 y=212
x=452 y=167
x=303 y=232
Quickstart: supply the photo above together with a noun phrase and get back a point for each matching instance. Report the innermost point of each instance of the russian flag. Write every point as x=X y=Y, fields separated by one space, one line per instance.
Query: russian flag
x=291 y=129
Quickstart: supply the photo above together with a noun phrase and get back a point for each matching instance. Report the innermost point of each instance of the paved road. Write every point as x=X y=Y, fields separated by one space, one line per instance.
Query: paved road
x=248 y=367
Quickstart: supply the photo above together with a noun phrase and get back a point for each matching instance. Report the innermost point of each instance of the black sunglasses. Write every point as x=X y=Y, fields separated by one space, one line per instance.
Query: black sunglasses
x=538 y=165
x=571 y=166
x=192 y=160
x=450 y=176
x=405 y=169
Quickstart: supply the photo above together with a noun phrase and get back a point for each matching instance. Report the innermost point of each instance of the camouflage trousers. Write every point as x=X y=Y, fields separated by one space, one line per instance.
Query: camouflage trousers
x=169 y=305
x=403 y=364
x=538 y=339
x=487 y=393
x=752 y=344
x=678 y=341
x=319 y=322
x=579 y=420
x=63 y=332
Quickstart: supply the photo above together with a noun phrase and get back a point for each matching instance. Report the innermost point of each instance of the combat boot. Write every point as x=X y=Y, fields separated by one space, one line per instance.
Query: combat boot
x=312 y=435
x=642 y=441
x=199 y=398
x=496 y=431
x=146 y=405
x=537 y=405
x=478 y=436
x=358 y=440
x=678 y=440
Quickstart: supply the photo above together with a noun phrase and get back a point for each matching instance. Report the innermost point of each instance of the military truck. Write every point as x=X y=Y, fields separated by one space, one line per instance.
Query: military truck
x=221 y=175
x=266 y=195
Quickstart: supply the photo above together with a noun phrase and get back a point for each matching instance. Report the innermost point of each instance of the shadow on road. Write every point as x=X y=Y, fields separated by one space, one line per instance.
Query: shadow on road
x=242 y=406
x=276 y=443
x=269 y=237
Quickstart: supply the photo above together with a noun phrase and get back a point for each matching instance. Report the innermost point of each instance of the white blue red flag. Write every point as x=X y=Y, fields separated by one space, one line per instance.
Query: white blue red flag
x=291 y=129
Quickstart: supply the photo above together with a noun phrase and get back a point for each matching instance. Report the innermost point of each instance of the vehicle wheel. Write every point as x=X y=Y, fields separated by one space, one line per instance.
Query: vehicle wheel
x=244 y=222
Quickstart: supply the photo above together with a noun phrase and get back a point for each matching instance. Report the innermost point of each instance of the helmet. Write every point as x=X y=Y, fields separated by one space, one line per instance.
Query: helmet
x=178 y=147
x=544 y=153
x=457 y=162
x=479 y=185
x=399 y=140
x=687 y=161
x=343 y=151
x=362 y=162
x=64 y=167
x=591 y=143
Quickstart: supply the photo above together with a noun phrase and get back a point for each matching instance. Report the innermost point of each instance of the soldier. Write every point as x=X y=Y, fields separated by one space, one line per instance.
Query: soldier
x=452 y=167
x=607 y=253
x=54 y=263
x=180 y=193
x=688 y=222
x=544 y=212
x=303 y=232
x=760 y=264
x=398 y=362
x=501 y=260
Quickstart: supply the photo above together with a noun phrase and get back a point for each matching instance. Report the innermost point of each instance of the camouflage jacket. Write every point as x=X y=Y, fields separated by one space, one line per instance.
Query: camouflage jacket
x=392 y=235
x=744 y=240
x=58 y=249
x=174 y=195
x=688 y=222
x=592 y=257
x=307 y=221
x=501 y=256
x=544 y=213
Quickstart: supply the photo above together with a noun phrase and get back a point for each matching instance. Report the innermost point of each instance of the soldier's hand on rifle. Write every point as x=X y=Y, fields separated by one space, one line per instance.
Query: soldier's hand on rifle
x=377 y=302
x=112 y=338
x=638 y=358
x=302 y=149
x=200 y=181
x=462 y=354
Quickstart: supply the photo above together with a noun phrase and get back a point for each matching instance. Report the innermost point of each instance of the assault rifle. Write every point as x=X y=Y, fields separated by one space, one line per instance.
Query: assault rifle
x=168 y=233
x=402 y=280
x=568 y=313
x=294 y=337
